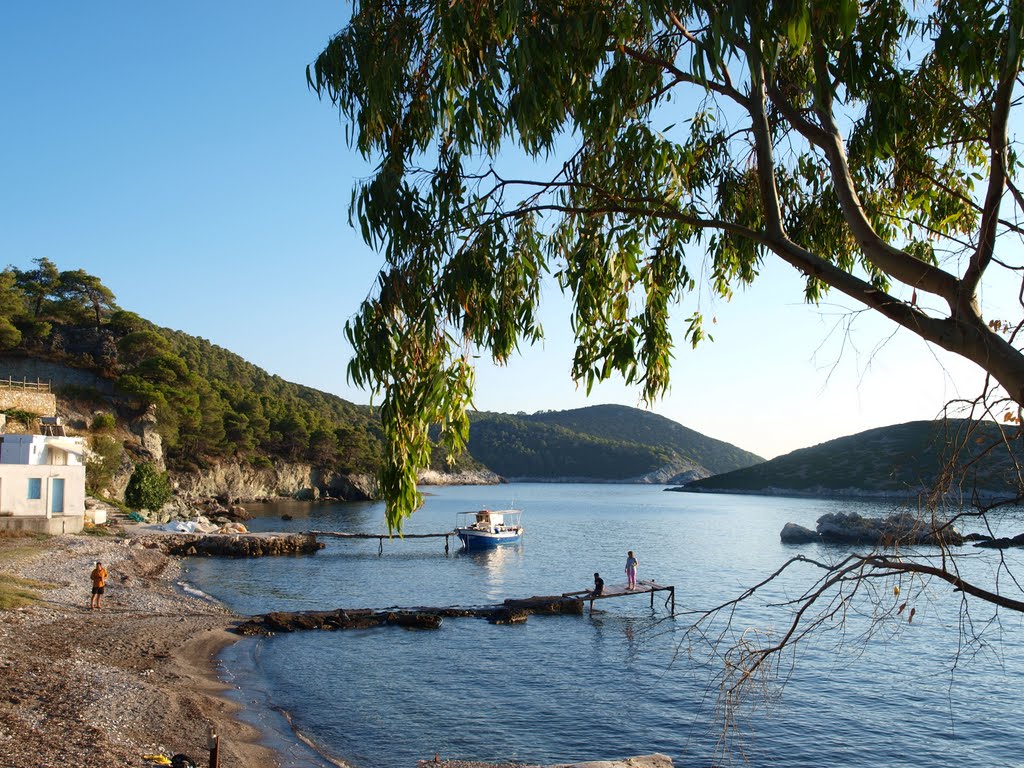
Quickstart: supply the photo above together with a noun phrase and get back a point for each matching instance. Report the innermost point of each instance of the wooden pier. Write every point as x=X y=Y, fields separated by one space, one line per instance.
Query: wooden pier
x=621 y=590
x=381 y=536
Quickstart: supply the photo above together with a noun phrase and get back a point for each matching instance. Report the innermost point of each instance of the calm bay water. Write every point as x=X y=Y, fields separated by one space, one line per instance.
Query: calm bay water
x=621 y=681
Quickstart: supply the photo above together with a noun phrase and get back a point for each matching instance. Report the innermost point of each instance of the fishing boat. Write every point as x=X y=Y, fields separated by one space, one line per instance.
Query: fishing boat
x=486 y=528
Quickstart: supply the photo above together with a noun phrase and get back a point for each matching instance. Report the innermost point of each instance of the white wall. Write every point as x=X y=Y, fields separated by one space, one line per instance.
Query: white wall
x=14 y=484
x=41 y=449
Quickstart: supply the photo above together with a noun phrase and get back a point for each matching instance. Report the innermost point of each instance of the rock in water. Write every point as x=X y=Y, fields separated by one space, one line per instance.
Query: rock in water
x=797 y=534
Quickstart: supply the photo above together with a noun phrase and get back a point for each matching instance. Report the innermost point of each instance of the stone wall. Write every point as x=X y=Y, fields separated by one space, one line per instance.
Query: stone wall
x=30 y=400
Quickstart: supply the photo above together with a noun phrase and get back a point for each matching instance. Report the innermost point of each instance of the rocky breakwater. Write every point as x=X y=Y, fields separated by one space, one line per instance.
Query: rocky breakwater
x=900 y=528
x=233 y=545
x=508 y=612
x=991 y=542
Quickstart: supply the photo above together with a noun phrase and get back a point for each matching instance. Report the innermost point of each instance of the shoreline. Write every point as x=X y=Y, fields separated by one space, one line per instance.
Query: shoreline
x=142 y=675
x=137 y=677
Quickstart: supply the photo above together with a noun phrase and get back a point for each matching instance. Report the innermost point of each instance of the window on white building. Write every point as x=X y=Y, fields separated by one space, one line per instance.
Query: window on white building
x=35 y=487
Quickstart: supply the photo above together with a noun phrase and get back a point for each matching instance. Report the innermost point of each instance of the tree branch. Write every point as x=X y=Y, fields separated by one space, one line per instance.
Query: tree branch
x=890 y=260
x=998 y=141
x=902 y=566
x=763 y=145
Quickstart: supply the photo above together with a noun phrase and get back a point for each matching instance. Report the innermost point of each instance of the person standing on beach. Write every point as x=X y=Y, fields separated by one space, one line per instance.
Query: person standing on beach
x=99 y=582
x=631 y=564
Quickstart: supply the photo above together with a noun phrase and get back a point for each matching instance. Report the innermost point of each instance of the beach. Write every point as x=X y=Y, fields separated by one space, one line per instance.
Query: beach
x=106 y=687
x=137 y=677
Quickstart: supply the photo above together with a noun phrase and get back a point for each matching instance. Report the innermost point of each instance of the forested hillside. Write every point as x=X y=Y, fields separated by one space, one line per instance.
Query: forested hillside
x=514 y=446
x=602 y=442
x=633 y=425
x=899 y=459
x=211 y=405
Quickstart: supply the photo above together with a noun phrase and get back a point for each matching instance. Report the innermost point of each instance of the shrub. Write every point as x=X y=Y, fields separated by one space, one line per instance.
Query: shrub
x=103 y=463
x=104 y=422
x=148 y=488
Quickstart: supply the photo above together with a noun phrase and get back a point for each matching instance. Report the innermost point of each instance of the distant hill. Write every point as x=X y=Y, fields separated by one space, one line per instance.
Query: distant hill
x=642 y=427
x=897 y=460
x=601 y=442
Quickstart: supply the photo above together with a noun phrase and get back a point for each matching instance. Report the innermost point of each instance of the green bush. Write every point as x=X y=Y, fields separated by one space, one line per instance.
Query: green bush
x=26 y=419
x=148 y=488
x=103 y=463
x=104 y=422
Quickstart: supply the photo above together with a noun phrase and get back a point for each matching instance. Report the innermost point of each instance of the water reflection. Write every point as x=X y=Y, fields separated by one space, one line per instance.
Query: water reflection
x=493 y=559
x=292 y=516
x=497 y=563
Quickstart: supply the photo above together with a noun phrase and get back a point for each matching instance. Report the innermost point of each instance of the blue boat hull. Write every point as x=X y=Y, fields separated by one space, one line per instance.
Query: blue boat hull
x=475 y=540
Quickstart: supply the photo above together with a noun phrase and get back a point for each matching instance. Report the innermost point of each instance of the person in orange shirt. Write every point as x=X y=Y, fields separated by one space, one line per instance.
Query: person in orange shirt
x=99 y=582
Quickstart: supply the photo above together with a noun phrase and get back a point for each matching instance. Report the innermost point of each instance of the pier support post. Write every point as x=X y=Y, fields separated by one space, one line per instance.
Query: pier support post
x=213 y=743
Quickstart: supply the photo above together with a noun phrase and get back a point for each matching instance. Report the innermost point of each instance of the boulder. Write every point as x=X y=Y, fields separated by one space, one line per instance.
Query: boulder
x=1004 y=542
x=977 y=537
x=236 y=512
x=797 y=534
x=899 y=528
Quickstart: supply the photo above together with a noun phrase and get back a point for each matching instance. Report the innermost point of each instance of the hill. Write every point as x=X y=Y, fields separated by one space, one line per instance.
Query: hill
x=644 y=428
x=146 y=393
x=603 y=443
x=899 y=460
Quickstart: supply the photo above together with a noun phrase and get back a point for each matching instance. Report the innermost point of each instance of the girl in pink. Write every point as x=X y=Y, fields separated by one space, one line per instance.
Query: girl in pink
x=631 y=564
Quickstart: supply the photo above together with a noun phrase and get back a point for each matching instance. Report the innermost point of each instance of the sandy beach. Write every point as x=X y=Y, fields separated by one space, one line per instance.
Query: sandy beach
x=106 y=687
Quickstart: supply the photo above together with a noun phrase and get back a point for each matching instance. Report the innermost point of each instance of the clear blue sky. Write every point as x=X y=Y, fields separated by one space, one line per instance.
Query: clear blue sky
x=173 y=150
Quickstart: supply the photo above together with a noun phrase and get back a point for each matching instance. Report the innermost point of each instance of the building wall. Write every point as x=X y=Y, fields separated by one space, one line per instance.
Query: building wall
x=14 y=501
x=40 y=449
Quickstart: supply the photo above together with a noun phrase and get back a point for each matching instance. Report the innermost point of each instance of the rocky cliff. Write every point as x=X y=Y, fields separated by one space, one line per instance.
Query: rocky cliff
x=465 y=477
x=242 y=482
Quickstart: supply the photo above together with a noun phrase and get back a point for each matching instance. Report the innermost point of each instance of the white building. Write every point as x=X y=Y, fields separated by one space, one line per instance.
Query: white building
x=42 y=483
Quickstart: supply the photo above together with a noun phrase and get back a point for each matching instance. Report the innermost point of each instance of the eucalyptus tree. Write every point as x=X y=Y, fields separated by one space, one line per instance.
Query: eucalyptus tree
x=634 y=148
x=642 y=151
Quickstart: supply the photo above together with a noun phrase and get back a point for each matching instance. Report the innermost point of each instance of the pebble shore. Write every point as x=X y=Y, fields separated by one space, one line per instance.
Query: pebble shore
x=105 y=687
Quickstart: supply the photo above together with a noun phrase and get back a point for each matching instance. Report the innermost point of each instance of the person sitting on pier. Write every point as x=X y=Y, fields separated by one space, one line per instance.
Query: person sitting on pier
x=598 y=586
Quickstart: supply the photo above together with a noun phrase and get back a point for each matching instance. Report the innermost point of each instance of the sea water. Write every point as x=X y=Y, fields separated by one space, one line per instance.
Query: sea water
x=868 y=688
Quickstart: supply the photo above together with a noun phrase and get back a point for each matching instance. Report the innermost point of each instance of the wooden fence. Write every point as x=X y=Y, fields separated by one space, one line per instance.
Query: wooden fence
x=35 y=386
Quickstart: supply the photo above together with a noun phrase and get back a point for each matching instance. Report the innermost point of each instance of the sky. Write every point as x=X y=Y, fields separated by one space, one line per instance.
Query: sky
x=174 y=151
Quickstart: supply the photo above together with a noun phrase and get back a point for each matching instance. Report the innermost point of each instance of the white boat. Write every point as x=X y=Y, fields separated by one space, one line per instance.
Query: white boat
x=486 y=528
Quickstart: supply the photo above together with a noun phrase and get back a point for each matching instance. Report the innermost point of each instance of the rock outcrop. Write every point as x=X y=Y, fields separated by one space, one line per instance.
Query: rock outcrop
x=509 y=612
x=231 y=545
x=480 y=476
x=150 y=443
x=244 y=482
x=900 y=528
x=1003 y=542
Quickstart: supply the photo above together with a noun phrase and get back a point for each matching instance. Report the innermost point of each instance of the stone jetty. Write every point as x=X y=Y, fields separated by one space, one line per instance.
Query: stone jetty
x=233 y=545
x=508 y=612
